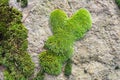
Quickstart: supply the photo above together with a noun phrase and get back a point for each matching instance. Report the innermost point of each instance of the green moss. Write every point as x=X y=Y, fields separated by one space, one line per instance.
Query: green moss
x=60 y=43
x=117 y=2
x=57 y=20
x=8 y=16
x=8 y=76
x=13 y=45
x=26 y=66
x=79 y=23
x=50 y=63
x=18 y=0
x=60 y=46
x=24 y=3
x=68 y=67
x=5 y=2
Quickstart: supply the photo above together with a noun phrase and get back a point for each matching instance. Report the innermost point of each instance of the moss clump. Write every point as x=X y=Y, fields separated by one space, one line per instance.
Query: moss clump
x=57 y=20
x=50 y=63
x=4 y=2
x=79 y=23
x=9 y=76
x=60 y=43
x=118 y=3
x=13 y=45
x=24 y=3
x=68 y=67
x=59 y=47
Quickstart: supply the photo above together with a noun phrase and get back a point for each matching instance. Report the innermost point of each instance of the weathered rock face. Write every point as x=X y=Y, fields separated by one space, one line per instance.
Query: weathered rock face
x=97 y=55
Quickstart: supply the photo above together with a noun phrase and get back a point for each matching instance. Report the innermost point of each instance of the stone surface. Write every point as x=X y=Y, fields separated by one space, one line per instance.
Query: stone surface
x=97 y=55
x=1 y=75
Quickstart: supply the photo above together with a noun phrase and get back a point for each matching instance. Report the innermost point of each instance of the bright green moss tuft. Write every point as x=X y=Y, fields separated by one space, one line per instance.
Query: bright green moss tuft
x=79 y=23
x=50 y=63
x=57 y=20
x=118 y=3
x=60 y=43
x=60 y=46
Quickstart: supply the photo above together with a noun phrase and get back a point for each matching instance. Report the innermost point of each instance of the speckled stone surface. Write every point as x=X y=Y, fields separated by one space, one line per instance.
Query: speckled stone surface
x=97 y=55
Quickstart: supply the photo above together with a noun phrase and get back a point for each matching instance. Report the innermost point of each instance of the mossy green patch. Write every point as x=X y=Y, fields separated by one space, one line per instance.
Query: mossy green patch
x=50 y=63
x=60 y=43
x=118 y=3
x=68 y=67
x=59 y=47
x=13 y=45
x=4 y=2
x=57 y=20
x=79 y=23
x=23 y=3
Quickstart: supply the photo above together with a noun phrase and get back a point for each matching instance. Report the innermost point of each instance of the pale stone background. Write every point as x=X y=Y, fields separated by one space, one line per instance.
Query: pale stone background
x=97 y=55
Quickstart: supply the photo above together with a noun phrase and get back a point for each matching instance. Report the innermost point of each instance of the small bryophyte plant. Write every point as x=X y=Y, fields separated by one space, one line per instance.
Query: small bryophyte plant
x=23 y=3
x=59 y=47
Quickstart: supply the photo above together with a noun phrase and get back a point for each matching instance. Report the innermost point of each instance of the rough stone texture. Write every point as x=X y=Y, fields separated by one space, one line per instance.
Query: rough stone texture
x=97 y=55
x=1 y=75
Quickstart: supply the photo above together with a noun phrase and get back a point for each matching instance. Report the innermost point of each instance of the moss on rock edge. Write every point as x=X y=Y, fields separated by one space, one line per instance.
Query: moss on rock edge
x=13 y=44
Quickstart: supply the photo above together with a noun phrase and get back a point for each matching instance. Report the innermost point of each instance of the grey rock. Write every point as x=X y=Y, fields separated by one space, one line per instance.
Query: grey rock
x=1 y=75
x=97 y=55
